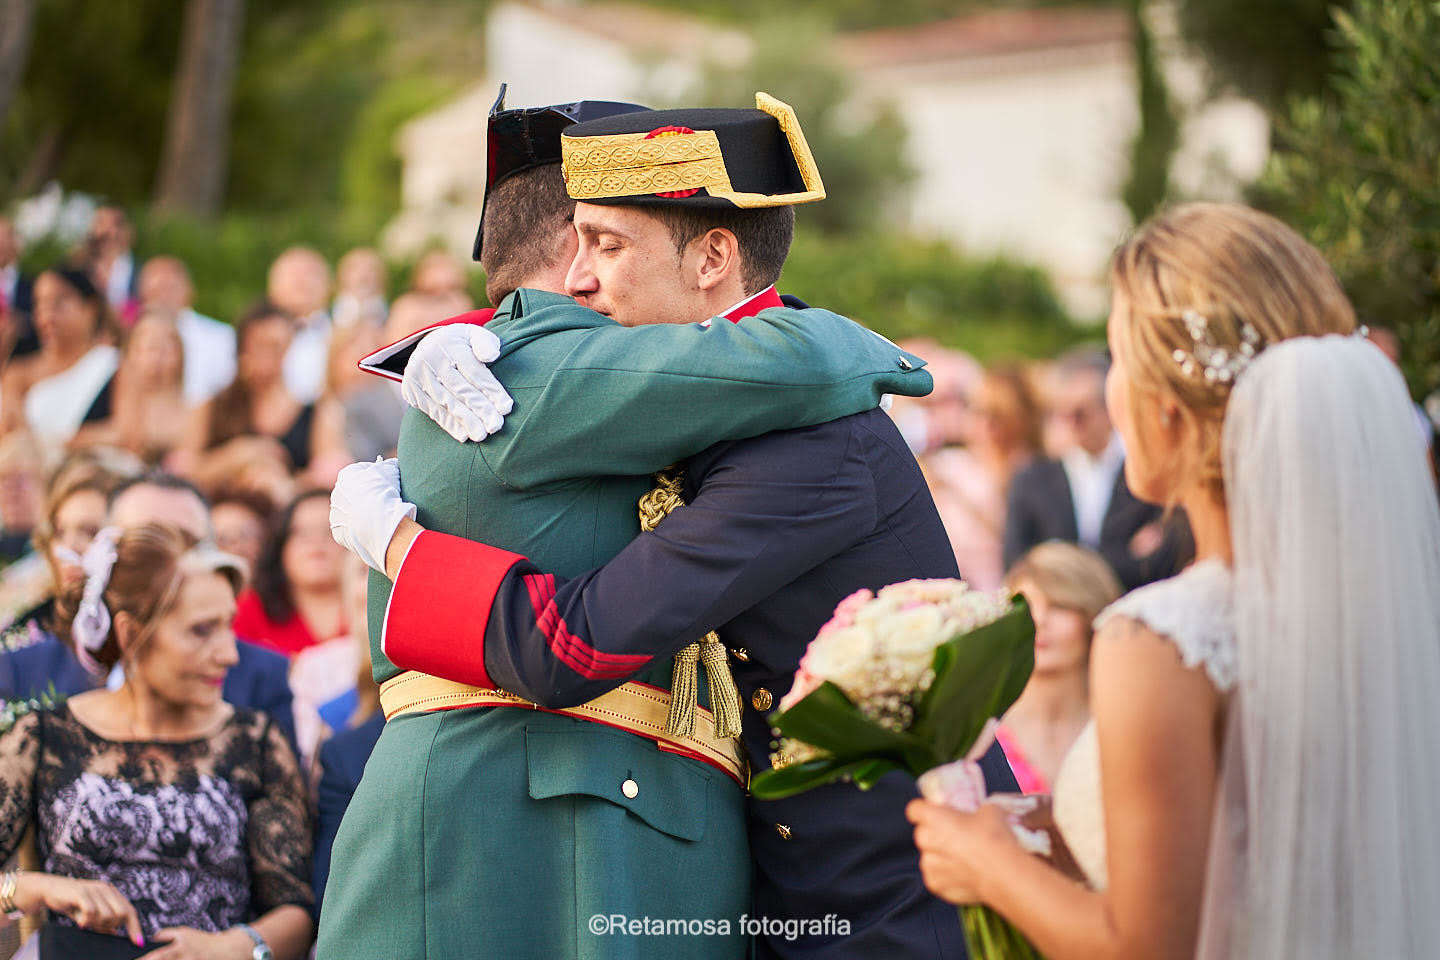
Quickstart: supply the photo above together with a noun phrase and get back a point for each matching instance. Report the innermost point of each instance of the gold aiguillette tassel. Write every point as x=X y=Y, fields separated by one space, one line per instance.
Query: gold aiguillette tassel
x=724 y=695
x=684 y=690
x=725 y=703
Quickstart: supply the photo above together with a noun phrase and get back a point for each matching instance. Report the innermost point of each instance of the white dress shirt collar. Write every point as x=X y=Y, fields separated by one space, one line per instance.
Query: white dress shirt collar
x=1092 y=482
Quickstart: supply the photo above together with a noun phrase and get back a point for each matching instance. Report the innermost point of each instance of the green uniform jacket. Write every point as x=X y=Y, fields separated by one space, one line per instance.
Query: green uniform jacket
x=500 y=832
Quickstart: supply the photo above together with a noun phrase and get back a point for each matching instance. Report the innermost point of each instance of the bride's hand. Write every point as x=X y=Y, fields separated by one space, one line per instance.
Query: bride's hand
x=959 y=850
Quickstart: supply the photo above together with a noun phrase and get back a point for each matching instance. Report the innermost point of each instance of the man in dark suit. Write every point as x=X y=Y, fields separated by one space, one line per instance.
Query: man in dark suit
x=259 y=680
x=1082 y=497
x=778 y=530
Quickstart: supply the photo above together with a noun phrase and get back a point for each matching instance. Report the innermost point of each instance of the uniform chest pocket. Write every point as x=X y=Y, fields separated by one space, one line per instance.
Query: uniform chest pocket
x=668 y=792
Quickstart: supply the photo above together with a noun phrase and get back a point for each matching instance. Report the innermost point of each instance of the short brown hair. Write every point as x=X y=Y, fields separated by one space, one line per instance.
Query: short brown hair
x=764 y=235
x=151 y=563
x=525 y=216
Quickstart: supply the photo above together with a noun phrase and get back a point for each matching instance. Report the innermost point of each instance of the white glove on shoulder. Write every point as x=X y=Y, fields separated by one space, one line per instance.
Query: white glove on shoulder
x=366 y=507
x=447 y=380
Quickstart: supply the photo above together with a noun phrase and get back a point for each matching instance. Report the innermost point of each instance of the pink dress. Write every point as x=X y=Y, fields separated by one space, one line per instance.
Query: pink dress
x=1029 y=779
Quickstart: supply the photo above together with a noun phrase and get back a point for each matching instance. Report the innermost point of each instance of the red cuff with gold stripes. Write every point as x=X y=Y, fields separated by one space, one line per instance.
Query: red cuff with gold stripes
x=441 y=604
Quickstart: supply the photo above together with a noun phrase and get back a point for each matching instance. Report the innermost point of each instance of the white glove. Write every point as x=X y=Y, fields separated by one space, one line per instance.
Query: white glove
x=366 y=507
x=447 y=380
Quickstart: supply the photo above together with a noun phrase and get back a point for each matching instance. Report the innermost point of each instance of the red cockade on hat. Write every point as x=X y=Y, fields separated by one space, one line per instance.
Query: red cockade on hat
x=670 y=132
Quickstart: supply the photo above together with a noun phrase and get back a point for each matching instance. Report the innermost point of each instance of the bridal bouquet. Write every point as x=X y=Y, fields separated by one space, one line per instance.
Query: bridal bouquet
x=910 y=678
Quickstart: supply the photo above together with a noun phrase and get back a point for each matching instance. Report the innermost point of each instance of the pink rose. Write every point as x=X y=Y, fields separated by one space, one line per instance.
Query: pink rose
x=845 y=612
x=805 y=684
x=959 y=785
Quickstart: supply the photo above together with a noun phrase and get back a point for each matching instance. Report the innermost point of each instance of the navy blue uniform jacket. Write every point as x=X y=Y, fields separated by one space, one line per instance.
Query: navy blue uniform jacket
x=778 y=530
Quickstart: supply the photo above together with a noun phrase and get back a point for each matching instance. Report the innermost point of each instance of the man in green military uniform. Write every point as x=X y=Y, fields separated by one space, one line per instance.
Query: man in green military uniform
x=486 y=829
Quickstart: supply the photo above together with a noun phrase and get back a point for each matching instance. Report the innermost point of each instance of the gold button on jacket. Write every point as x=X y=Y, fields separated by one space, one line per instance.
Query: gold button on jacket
x=762 y=699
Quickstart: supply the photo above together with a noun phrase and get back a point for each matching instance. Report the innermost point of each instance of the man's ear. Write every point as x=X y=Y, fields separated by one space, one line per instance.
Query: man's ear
x=718 y=258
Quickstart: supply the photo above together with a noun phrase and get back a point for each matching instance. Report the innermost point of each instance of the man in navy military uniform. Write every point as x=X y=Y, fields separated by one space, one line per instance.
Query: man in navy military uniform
x=777 y=530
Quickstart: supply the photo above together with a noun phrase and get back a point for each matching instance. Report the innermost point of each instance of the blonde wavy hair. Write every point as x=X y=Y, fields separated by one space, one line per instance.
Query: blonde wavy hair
x=1069 y=576
x=1234 y=266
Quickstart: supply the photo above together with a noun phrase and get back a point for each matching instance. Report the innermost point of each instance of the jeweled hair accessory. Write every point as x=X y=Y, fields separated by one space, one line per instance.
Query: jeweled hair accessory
x=1218 y=364
x=92 y=620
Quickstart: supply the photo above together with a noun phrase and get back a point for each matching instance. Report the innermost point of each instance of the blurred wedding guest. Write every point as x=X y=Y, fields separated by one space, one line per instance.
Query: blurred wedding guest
x=22 y=493
x=299 y=285
x=940 y=419
x=73 y=512
x=370 y=417
x=359 y=289
x=1066 y=587
x=373 y=407
x=148 y=411
x=439 y=274
x=110 y=260
x=67 y=382
x=17 y=332
x=259 y=678
x=294 y=601
x=415 y=311
x=1082 y=496
x=242 y=520
x=343 y=755
x=209 y=344
x=253 y=464
x=324 y=677
x=1001 y=432
x=259 y=402
x=223 y=868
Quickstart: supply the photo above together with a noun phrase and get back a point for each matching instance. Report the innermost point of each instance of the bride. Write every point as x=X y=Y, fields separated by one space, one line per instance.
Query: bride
x=1265 y=722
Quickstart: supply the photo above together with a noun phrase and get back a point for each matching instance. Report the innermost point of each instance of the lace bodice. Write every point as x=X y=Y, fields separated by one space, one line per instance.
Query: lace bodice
x=1195 y=612
x=201 y=833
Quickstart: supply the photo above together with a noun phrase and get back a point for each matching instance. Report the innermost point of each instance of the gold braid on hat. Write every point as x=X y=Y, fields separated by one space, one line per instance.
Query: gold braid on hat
x=684 y=682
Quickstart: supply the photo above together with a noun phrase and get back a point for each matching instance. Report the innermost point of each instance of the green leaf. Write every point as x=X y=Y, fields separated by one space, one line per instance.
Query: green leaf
x=788 y=781
x=827 y=719
x=978 y=675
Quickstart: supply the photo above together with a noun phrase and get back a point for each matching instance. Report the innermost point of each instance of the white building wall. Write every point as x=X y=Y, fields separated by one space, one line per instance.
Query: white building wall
x=1024 y=154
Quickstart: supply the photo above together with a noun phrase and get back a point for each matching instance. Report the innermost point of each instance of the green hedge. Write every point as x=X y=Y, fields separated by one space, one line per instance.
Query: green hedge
x=903 y=287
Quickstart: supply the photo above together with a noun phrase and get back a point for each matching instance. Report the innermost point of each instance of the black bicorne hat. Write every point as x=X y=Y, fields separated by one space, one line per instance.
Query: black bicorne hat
x=519 y=140
x=717 y=158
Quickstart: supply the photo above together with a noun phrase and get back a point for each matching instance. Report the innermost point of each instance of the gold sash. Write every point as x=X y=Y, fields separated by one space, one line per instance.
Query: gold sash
x=637 y=707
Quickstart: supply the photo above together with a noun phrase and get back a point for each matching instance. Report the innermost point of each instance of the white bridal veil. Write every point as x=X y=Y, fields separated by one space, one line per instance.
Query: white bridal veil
x=1327 y=837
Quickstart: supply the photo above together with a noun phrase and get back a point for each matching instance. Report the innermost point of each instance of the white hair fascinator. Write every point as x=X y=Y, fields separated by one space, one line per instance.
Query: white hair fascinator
x=92 y=620
x=1207 y=357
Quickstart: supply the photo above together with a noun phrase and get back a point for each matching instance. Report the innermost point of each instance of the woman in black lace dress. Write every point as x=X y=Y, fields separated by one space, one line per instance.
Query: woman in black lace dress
x=159 y=809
